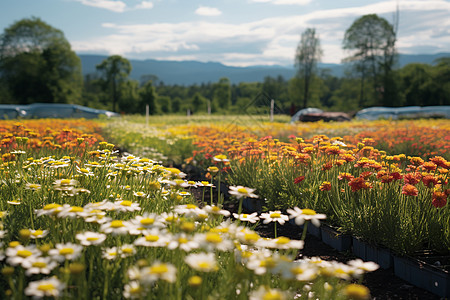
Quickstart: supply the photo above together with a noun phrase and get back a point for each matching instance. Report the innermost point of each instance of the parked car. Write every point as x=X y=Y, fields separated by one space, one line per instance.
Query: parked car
x=315 y=114
x=11 y=111
x=406 y=112
x=296 y=117
x=325 y=116
x=56 y=110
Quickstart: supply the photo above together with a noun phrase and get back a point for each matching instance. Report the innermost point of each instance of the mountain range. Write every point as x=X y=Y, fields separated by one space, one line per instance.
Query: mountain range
x=195 y=72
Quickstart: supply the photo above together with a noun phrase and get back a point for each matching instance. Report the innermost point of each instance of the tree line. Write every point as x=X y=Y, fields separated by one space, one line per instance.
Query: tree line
x=38 y=65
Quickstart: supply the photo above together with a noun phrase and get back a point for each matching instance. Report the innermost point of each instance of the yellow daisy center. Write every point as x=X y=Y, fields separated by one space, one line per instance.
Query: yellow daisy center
x=24 y=253
x=272 y=295
x=66 y=251
x=117 y=224
x=308 y=212
x=39 y=264
x=213 y=238
x=46 y=287
x=147 y=221
x=37 y=232
x=242 y=190
x=159 y=269
x=151 y=238
x=283 y=240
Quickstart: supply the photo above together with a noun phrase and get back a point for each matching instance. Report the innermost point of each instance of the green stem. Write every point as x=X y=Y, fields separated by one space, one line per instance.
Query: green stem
x=305 y=228
x=275 y=229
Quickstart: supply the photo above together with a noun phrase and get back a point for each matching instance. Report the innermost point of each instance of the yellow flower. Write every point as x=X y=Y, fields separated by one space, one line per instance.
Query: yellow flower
x=357 y=292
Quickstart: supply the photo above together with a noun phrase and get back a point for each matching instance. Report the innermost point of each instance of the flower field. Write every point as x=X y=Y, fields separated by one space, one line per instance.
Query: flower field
x=81 y=220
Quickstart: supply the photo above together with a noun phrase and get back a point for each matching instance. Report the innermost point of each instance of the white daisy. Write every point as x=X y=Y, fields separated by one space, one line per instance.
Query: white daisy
x=252 y=218
x=50 y=287
x=38 y=265
x=110 y=253
x=126 y=206
x=153 y=238
x=240 y=191
x=216 y=210
x=274 y=216
x=16 y=255
x=68 y=251
x=264 y=292
x=211 y=241
x=281 y=243
x=127 y=250
x=134 y=290
x=159 y=271
x=38 y=233
x=68 y=211
x=183 y=242
x=116 y=227
x=204 y=262
x=89 y=238
x=302 y=215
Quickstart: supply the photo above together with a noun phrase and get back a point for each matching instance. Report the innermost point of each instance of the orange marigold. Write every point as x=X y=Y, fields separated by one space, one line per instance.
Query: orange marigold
x=325 y=186
x=410 y=190
x=346 y=176
x=359 y=183
x=429 y=180
x=429 y=166
x=439 y=199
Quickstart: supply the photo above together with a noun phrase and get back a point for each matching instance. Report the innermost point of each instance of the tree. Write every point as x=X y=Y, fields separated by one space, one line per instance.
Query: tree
x=371 y=40
x=147 y=95
x=114 y=71
x=306 y=57
x=37 y=64
x=199 y=103
x=222 y=93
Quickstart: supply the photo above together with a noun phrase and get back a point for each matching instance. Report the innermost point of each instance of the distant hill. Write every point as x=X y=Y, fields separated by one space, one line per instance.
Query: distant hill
x=194 y=72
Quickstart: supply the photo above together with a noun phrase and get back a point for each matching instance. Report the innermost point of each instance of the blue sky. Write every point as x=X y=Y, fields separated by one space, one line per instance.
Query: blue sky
x=233 y=32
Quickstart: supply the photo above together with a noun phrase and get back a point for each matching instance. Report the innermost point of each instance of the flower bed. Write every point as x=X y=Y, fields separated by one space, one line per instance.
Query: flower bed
x=78 y=221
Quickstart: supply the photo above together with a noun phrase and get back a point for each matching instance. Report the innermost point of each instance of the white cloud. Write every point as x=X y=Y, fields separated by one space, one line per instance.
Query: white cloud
x=272 y=40
x=284 y=2
x=208 y=11
x=116 y=6
x=144 y=5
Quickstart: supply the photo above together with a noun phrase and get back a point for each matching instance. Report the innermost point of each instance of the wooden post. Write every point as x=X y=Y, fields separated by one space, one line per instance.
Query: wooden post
x=272 y=104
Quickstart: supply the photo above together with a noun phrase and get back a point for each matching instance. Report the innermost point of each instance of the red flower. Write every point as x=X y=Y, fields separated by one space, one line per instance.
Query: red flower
x=439 y=199
x=346 y=176
x=412 y=178
x=429 y=180
x=325 y=186
x=429 y=166
x=410 y=190
x=327 y=166
x=358 y=183
x=397 y=175
x=440 y=161
x=365 y=175
x=299 y=179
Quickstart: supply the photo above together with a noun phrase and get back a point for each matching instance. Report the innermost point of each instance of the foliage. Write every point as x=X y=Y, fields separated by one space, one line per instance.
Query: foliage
x=372 y=40
x=38 y=65
x=114 y=72
x=306 y=58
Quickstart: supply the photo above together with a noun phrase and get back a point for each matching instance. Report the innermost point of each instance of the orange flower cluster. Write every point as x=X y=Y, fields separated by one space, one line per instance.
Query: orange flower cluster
x=47 y=134
x=366 y=167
